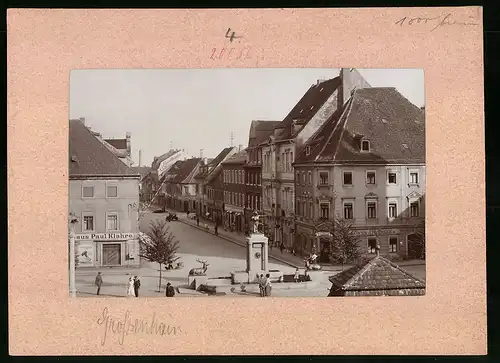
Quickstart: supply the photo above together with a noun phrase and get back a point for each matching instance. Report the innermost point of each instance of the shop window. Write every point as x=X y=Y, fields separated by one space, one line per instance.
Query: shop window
x=372 y=245
x=393 y=244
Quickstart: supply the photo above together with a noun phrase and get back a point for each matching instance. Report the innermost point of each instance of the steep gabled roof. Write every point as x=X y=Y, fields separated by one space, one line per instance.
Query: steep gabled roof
x=119 y=144
x=171 y=173
x=394 y=127
x=214 y=163
x=308 y=106
x=260 y=131
x=238 y=158
x=186 y=168
x=89 y=156
x=158 y=160
x=377 y=274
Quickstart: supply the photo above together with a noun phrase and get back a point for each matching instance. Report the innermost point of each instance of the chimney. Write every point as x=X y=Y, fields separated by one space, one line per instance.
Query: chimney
x=201 y=153
x=129 y=146
x=140 y=157
x=82 y=120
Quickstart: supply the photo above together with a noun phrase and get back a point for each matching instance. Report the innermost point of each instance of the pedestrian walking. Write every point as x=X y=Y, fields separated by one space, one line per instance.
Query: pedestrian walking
x=169 y=291
x=216 y=229
x=130 y=287
x=296 y=276
x=137 y=286
x=261 y=285
x=197 y=221
x=267 y=285
x=98 y=282
x=282 y=247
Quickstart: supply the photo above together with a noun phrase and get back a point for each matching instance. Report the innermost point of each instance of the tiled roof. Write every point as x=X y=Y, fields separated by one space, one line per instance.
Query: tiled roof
x=143 y=170
x=119 y=144
x=215 y=162
x=89 y=156
x=260 y=131
x=308 y=106
x=157 y=161
x=185 y=169
x=238 y=158
x=377 y=274
x=394 y=127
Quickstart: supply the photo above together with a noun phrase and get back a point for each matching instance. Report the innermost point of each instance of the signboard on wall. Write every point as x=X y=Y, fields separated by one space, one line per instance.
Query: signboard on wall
x=118 y=236
x=375 y=232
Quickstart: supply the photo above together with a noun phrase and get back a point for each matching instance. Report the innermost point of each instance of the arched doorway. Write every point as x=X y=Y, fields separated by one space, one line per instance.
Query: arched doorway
x=416 y=247
x=324 y=251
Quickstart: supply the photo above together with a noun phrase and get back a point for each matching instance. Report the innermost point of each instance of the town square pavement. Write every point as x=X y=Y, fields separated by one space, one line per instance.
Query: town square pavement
x=224 y=253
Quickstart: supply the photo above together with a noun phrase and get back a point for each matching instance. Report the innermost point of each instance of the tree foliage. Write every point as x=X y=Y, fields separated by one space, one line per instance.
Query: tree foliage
x=418 y=242
x=344 y=246
x=159 y=245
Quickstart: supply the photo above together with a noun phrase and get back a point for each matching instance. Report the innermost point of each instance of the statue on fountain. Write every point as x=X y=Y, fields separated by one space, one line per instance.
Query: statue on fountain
x=256 y=223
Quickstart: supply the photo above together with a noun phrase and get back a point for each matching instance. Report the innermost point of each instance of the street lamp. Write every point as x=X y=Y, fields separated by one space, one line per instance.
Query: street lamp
x=72 y=263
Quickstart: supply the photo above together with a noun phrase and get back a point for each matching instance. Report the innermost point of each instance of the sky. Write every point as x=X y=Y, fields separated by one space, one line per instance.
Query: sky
x=195 y=109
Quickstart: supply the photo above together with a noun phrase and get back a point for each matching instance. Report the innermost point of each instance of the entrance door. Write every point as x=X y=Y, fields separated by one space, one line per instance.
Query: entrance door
x=111 y=254
x=324 y=255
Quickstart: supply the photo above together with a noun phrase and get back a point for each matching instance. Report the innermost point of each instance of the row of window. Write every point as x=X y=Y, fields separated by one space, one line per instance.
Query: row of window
x=303 y=178
x=234 y=198
x=254 y=156
x=306 y=209
x=372 y=244
x=88 y=191
x=234 y=176
x=112 y=222
x=284 y=161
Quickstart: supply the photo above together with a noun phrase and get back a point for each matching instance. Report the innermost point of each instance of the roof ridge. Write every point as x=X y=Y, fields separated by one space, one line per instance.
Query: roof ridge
x=351 y=101
x=333 y=132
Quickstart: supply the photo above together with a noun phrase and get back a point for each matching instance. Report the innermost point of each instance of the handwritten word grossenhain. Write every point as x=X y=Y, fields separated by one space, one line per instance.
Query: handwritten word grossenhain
x=121 y=327
x=435 y=22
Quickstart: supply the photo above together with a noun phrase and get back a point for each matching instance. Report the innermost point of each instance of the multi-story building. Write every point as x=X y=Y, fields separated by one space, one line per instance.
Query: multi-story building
x=104 y=198
x=259 y=132
x=144 y=191
x=365 y=165
x=215 y=195
x=234 y=191
x=184 y=185
x=278 y=153
x=205 y=203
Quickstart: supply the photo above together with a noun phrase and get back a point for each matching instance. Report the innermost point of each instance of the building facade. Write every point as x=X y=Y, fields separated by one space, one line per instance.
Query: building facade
x=185 y=185
x=234 y=192
x=104 y=198
x=278 y=155
x=366 y=165
x=205 y=194
x=259 y=132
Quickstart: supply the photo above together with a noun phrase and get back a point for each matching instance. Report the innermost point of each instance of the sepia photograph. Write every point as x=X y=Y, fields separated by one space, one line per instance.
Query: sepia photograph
x=252 y=182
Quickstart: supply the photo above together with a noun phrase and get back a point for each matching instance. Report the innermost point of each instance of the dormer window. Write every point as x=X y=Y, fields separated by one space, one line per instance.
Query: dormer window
x=308 y=150
x=365 y=145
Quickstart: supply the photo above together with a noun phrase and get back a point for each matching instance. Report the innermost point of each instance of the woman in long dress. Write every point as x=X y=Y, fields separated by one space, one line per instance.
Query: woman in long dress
x=130 y=289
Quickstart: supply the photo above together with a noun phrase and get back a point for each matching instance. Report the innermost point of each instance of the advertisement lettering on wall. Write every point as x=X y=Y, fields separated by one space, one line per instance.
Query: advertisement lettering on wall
x=105 y=236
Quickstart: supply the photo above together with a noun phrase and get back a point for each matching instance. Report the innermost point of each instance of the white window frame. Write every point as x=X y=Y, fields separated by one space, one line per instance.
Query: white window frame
x=389 y=203
x=371 y=201
x=351 y=202
x=369 y=247
x=327 y=177
x=410 y=202
x=108 y=214
x=361 y=146
x=397 y=244
x=413 y=171
x=343 y=178
x=88 y=214
x=375 y=177
x=86 y=185
x=392 y=172
x=321 y=203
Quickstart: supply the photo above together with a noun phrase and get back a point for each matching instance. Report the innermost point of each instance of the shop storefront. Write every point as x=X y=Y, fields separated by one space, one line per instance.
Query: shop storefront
x=107 y=249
